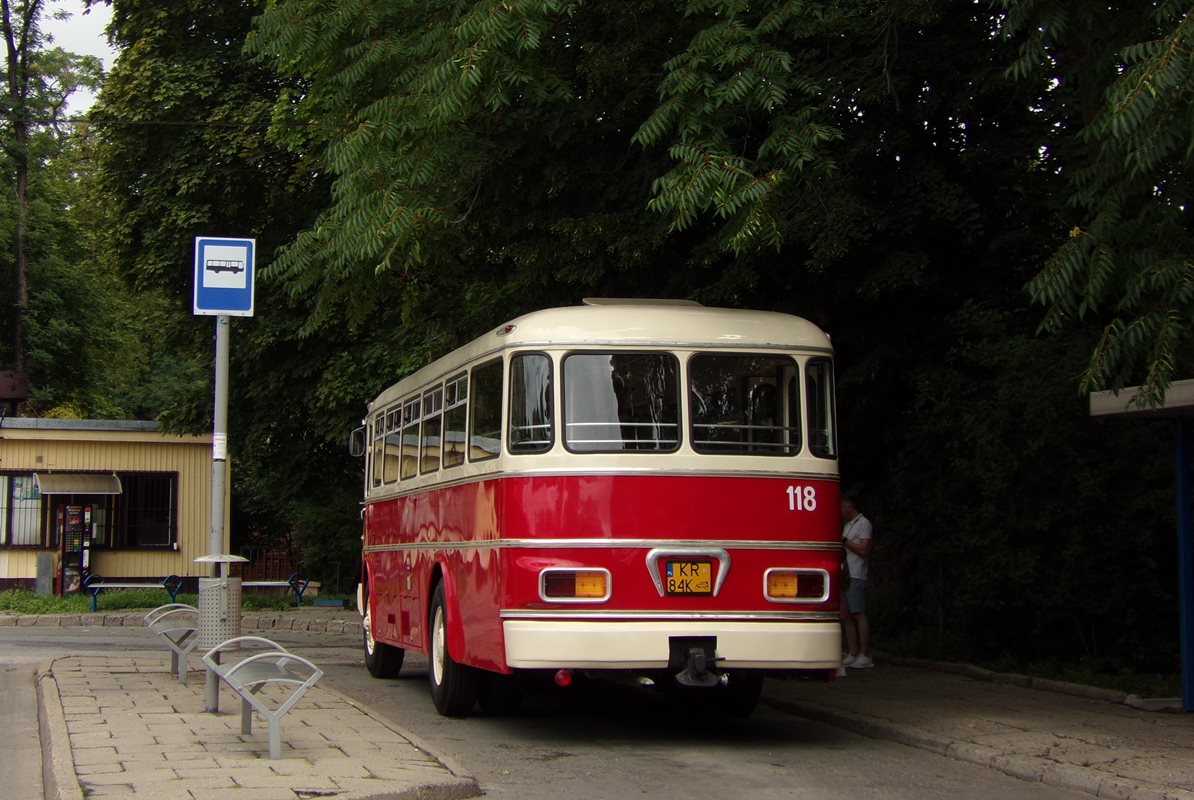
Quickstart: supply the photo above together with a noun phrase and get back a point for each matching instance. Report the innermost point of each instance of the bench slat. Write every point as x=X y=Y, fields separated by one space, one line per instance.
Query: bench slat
x=95 y=583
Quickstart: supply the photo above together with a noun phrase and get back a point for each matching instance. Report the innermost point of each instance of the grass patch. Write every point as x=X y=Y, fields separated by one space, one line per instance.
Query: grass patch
x=21 y=601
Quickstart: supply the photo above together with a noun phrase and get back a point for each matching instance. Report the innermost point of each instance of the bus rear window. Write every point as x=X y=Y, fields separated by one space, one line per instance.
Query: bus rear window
x=530 y=403
x=744 y=404
x=621 y=401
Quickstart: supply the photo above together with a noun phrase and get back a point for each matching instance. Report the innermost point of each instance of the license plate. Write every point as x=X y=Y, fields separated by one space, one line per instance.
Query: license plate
x=689 y=577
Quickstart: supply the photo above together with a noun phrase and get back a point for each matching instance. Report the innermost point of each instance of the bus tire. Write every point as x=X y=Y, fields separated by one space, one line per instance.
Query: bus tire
x=382 y=660
x=454 y=686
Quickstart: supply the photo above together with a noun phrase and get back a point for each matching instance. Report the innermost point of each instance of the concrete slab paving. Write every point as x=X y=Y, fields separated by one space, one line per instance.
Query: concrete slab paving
x=1086 y=741
x=126 y=728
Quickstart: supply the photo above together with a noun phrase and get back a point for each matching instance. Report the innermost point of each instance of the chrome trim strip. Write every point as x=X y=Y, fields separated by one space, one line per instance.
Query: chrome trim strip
x=605 y=544
x=662 y=553
x=379 y=493
x=565 y=614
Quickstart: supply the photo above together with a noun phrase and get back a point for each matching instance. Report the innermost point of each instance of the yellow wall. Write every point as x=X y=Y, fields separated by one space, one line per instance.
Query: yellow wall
x=118 y=447
x=18 y=563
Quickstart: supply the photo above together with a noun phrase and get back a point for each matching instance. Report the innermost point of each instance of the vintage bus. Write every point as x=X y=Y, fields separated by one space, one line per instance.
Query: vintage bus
x=641 y=489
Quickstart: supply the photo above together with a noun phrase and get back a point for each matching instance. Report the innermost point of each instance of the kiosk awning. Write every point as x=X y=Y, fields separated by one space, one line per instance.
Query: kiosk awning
x=76 y=483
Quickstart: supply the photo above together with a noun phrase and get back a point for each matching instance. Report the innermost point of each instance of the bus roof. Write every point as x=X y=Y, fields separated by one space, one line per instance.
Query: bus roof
x=630 y=323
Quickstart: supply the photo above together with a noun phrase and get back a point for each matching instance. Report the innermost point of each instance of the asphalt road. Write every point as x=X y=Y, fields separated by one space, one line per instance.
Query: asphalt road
x=21 y=753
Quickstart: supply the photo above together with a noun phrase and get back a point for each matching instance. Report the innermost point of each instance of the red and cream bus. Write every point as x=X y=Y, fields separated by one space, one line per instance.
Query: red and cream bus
x=629 y=488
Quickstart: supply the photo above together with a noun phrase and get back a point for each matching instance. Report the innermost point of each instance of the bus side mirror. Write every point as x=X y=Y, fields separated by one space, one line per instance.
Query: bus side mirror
x=356 y=442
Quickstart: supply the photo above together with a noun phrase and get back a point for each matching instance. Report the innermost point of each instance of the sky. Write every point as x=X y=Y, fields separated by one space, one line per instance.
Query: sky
x=82 y=33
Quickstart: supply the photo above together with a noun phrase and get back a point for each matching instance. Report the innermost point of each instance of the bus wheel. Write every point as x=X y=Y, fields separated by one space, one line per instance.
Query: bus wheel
x=454 y=687
x=382 y=660
x=500 y=695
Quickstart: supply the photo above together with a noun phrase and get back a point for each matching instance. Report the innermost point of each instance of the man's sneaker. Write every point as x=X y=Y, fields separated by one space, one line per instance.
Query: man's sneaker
x=861 y=662
x=841 y=672
x=849 y=659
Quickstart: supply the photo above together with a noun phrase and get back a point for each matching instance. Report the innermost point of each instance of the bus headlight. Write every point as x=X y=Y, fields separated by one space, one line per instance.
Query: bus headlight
x=574 y=585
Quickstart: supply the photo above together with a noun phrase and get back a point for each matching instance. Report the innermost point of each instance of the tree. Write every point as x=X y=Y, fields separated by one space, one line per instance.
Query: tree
x=1127 y=259
x=180 y=135
x=37 y=82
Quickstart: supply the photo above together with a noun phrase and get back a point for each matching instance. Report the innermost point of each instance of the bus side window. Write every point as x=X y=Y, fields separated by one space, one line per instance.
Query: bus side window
x=531 y=424
x=822 y=433
x=393 y=450
x=410 y=438
x=455 y=420
x=433 y=405
x=485 y=412
x=378 y=429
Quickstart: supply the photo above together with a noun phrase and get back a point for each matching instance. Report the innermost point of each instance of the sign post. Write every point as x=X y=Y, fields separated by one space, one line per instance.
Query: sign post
x=224 y=287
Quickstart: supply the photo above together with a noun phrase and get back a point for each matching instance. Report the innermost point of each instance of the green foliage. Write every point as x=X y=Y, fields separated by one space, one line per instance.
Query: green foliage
x=747 y=105
x=37 y=81
x=1029 y=567
x=263 y=601
x=406 y=102
x=21 y=601
x=1128 y=262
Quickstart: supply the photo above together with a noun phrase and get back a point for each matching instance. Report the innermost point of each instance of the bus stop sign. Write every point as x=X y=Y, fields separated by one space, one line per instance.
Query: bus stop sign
x=224 y=276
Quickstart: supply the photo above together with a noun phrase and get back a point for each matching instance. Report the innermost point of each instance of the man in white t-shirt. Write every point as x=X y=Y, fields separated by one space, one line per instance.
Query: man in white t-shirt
x=857 y=533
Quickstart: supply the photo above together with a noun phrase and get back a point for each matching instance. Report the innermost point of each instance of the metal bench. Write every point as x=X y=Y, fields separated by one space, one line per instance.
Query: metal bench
x=177 y=624
x=274 y=665
x=297 y=583
x=94 y=583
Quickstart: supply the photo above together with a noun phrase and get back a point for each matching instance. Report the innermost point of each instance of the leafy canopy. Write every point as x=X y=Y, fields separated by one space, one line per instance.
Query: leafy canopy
x=1128 y=259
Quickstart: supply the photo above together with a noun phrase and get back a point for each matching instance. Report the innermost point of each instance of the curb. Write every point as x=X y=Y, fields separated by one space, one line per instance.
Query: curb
x=59 y=777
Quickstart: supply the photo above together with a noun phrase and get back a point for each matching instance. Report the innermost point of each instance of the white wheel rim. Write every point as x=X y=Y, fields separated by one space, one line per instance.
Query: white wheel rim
x=438 y=647
x=367 y=623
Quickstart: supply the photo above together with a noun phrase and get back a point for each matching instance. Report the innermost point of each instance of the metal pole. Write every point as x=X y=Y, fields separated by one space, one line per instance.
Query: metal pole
x=1185 y=560
x=219 y=473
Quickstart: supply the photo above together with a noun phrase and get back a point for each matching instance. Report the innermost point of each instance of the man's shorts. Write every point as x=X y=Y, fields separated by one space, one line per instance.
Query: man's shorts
x=855 y=596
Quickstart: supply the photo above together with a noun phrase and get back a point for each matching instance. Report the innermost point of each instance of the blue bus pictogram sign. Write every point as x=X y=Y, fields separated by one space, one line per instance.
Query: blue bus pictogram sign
x=224 y=276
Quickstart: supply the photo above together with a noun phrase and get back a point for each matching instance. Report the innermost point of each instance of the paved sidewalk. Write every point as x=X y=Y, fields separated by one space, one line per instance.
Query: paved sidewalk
x=1065 y=735
x=126 y=728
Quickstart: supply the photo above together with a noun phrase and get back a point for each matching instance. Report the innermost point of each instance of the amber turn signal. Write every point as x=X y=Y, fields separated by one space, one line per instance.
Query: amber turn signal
x=575 y=584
